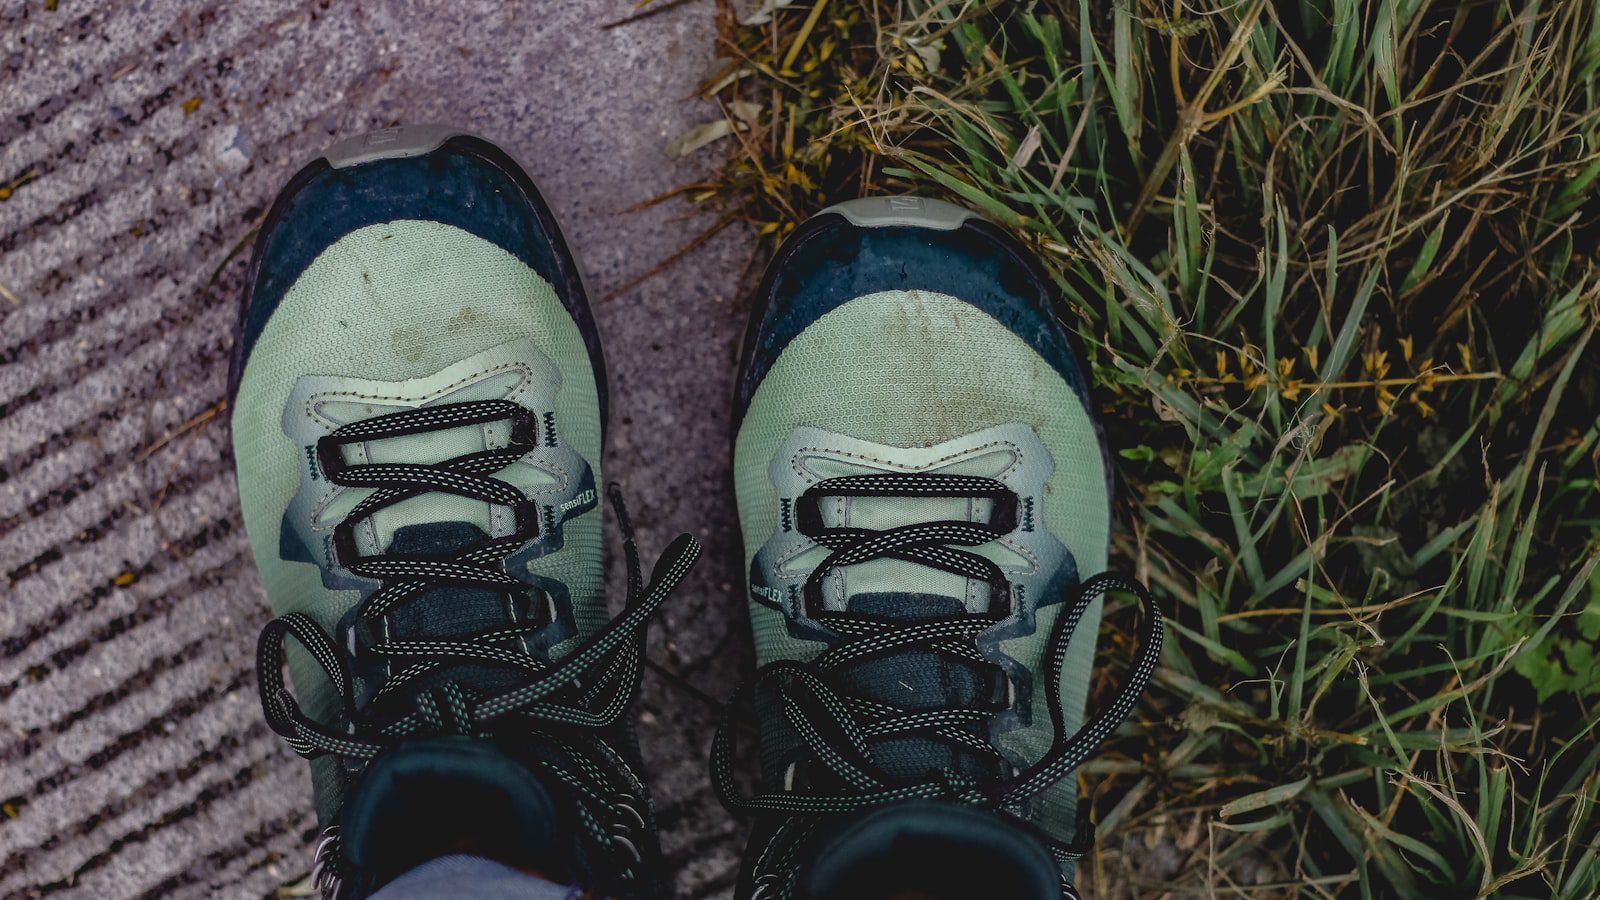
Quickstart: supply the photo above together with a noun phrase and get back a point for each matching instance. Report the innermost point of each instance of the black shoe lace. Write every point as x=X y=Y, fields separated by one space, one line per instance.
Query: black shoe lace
x=568 y=704
x=840 y=727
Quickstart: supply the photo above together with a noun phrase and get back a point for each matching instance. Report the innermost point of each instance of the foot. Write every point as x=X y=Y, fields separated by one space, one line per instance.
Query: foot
x=418 y=411
x=925 y=499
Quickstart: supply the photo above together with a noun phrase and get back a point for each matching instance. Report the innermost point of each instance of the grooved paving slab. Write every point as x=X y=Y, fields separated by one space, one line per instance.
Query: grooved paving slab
x=140 y=142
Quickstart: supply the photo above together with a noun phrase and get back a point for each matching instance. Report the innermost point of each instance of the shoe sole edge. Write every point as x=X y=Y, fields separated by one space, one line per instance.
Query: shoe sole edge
x=906 y=210
x=396 y=142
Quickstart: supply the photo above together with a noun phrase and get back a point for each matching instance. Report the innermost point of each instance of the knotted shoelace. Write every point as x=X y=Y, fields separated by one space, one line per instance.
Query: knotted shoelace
x=839 y=727
x=566 y=704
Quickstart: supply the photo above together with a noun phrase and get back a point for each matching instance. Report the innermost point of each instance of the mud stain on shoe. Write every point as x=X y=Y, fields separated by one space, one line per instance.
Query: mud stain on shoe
x=462 y=319
x=410 y=344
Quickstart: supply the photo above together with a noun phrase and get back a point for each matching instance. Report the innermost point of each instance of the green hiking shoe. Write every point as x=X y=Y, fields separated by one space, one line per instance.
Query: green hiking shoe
x=418 y=411
x=925 y=500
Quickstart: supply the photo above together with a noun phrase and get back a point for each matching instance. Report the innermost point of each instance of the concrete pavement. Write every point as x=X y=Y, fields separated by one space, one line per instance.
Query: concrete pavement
x=139 y=141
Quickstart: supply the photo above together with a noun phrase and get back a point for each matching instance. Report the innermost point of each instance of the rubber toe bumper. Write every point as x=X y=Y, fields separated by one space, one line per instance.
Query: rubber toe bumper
x=901 y=243
x=420 y=172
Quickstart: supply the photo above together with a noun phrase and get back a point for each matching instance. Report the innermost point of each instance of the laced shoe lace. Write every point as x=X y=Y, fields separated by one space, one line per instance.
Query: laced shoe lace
x=566 y=706
x=841 y=725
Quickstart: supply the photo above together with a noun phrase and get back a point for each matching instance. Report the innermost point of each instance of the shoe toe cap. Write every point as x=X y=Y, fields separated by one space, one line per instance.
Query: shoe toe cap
x=854 y=251
x=428 y=174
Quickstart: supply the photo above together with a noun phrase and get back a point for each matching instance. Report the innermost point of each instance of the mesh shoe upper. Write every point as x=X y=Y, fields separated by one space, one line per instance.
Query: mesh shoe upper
x=391 y=316
x=417 y=421
x=916 y=446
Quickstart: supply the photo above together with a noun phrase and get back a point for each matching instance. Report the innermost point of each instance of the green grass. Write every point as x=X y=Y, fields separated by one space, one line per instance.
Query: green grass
x=1333 y=265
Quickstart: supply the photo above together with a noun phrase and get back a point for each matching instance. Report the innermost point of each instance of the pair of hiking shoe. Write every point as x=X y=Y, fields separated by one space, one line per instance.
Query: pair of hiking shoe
x=419 y=409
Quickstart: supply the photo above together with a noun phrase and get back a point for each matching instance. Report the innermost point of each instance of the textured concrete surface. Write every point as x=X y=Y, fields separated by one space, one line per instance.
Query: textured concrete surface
x=148 y=137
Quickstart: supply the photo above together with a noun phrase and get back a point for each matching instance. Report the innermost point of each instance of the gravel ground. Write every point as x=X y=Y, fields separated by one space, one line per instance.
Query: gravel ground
x=147 y=138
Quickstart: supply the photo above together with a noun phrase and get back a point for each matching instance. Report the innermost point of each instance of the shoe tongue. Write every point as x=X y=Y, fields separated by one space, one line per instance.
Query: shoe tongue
x=910 y=608
x=920 y=680
x=929 y=849
x=441 y=796
x=448 y=610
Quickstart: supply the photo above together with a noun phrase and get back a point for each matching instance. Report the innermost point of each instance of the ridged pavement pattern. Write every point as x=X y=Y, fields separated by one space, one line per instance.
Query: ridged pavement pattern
x=139 y=144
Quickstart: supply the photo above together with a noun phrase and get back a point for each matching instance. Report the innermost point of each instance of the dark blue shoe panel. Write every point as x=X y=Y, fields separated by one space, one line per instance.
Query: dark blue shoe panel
x=829 y=261
x=467 y=182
